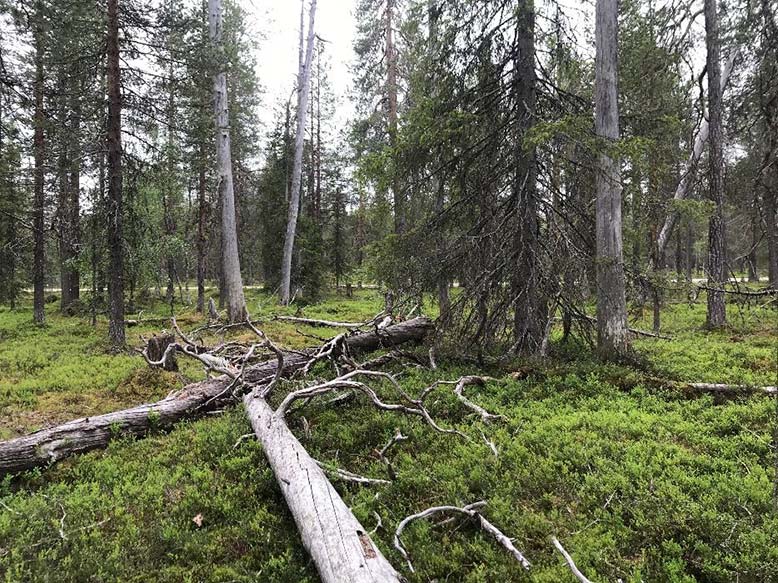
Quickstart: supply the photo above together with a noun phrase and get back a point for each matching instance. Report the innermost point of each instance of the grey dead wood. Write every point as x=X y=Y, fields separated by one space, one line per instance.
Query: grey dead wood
x=48 y=446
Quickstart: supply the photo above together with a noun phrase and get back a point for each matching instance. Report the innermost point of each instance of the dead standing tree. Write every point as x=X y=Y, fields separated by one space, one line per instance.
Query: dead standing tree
x=612 y=333
x=233 y=283
x=303 y=91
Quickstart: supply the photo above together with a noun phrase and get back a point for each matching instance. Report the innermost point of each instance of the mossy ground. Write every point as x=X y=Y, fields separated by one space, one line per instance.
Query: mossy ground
x=638 y=483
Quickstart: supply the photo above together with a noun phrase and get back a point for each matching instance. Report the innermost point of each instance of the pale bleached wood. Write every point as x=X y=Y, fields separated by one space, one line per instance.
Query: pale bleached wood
x=233 y=283
x=612 y=333
x=303 y=91
x=51 y=445
x=687 y=179
x=339 y=545
x=569 y=560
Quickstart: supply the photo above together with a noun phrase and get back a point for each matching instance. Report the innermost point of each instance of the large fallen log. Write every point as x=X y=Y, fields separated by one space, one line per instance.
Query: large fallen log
x=51 y=445
x=339 y=545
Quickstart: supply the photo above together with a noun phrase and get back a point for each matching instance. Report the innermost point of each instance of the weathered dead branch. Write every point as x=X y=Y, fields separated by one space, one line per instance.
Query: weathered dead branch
x=321 y=323
x=347 y=476
x=569 y=560
x=381 y=453
x=471 y=511
x=53 y=444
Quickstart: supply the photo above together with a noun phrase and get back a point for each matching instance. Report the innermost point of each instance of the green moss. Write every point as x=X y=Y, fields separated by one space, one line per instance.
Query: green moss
x=638 y=483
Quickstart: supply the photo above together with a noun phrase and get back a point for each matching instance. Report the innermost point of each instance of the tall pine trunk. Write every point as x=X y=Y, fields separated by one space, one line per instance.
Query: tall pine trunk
x=68 y=210
x=39 y=147
x=398 y=196
x=303 y=92
x=116 y=331
x=686 y=184
x=232 y=288
x=612 y=332
x=771 y=229
x=717 y=315
x=529 y=314
x=202 y=214
x=751 y=258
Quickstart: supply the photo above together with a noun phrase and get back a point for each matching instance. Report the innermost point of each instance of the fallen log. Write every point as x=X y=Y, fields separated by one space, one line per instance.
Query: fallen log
x=51 y=445
x=339 y=545
x=320 y=323
x=714 y=388
x=728 y=389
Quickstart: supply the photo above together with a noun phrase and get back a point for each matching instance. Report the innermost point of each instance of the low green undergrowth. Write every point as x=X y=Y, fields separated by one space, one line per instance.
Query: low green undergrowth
x=639 y=484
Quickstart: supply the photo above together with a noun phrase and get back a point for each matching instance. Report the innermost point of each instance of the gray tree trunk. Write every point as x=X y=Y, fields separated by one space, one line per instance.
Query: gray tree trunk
x=529 y=306
x=338 y=544
x=770 y=227
x=116 y=332
x=232 y=288
x=303 y=92
x=717 y=315
x=398 y=196
x=202 y=211
x=684 y=187
x=612 y=332
x=39 y=201
x=752 y=257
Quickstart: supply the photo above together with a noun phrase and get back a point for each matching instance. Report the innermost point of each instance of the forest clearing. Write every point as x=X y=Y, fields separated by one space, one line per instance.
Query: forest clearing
x=389 y=290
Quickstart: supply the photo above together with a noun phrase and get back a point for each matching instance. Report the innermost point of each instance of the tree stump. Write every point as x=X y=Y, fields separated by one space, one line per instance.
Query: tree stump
x=156 y=348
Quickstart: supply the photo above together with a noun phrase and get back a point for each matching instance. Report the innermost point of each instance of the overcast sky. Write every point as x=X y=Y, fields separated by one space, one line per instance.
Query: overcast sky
x=277 y=22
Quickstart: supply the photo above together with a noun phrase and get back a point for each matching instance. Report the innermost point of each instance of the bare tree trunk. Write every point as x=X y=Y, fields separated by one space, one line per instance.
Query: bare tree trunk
x=684 y=187
x=39 y=201
x=391 y=107
x=771 y=229
x=612 y=332
x=202 y=211
x=529 y=311
x=74 y=191
x=444 y=301
x=116 y=332
x=338 y=544
x=717 y=315
x=170 y=186
x=232 y=290
x=303 y=91
x=68 y=209
x=689 y=255
x=678 y=256
x=751 y=258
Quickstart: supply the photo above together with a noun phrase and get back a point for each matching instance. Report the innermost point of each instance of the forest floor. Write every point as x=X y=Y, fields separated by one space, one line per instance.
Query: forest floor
x=639 y=483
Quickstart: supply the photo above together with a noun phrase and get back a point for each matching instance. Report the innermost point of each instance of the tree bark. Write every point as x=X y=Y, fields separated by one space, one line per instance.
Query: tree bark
x=74 y=186
x=752 y=256
x=338 y=544
x=684 y=187
x=49 y=446
x=69 y=204
x=771 y=228
x=202 y=213
x=116 y=331
x=529 y=309
x=716 y=316
x=232 y=290
x=689 y=256
x=169 y=190
x=303 y=91
x=39 y=153
x=398 y=197
x=612 y=332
